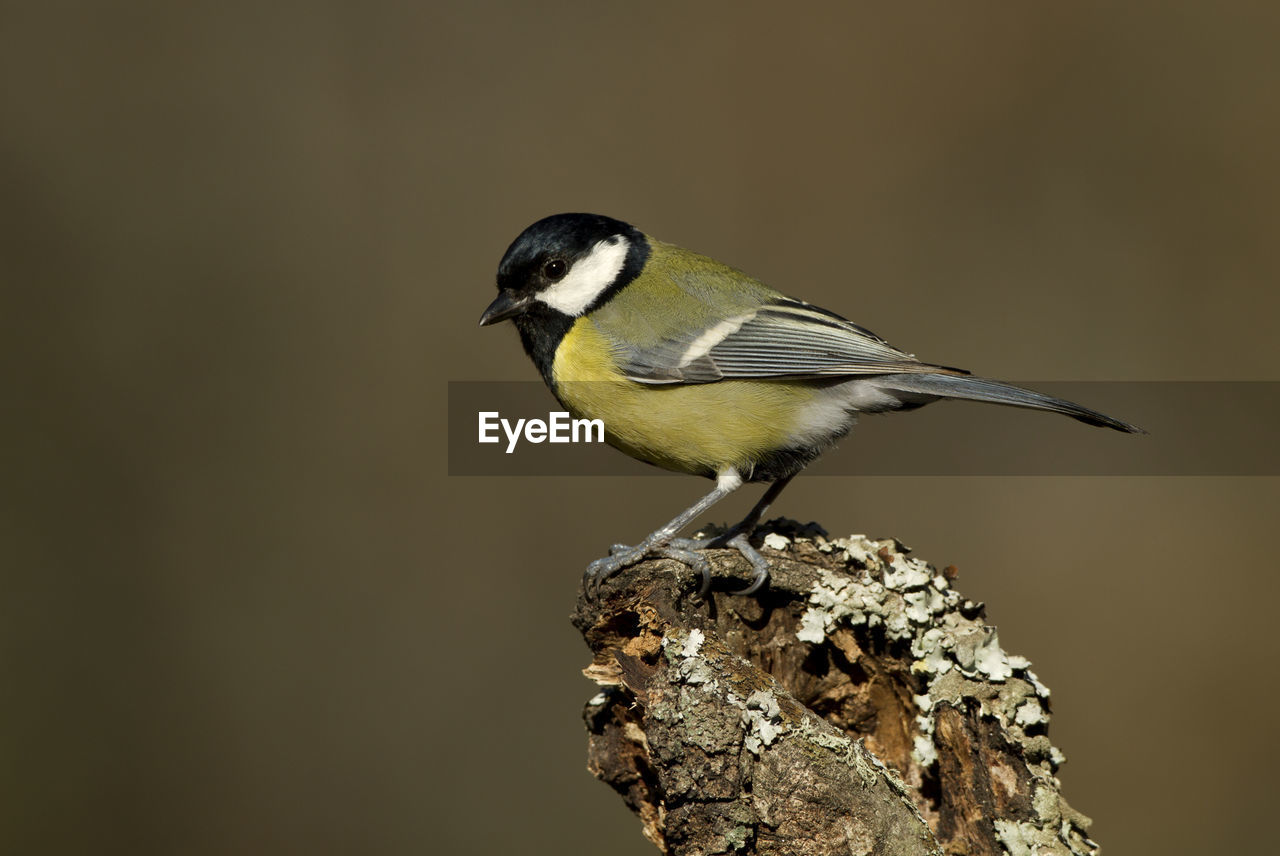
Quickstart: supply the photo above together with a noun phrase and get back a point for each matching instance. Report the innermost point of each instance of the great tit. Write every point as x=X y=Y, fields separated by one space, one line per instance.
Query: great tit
x=698 y=368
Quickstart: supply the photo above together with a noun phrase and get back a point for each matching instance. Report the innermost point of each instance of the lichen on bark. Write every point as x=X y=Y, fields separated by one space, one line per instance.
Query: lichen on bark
x=859 y=705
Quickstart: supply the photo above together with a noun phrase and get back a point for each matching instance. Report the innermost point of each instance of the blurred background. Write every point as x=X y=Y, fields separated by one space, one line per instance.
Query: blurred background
x=243 y=608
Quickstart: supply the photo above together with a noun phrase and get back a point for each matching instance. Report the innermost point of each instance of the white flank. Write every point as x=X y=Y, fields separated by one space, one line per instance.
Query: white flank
x=728 y=480
x=713 y=336
x=588 y=277
x=833 y=410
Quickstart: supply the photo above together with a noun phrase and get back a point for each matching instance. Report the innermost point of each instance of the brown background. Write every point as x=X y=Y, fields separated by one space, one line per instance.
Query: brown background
x=244 y=610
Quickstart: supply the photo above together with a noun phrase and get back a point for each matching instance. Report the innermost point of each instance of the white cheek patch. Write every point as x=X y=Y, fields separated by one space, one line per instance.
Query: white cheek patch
x=588 y=277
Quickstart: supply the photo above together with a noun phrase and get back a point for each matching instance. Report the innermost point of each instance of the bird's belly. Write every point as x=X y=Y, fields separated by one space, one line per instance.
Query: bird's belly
x=697 y=428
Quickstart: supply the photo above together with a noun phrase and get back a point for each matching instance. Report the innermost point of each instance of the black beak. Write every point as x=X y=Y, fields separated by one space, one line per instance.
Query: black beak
x=505 y=305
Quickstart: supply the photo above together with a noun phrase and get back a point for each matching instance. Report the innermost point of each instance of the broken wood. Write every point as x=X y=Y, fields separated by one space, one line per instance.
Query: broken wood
x=858 y=705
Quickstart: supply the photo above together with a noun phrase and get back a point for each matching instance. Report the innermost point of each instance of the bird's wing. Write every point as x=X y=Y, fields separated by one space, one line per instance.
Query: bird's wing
x=780 y=339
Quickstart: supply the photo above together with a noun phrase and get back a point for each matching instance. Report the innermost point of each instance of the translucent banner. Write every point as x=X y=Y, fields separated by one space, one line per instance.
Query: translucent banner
x=1224 y=428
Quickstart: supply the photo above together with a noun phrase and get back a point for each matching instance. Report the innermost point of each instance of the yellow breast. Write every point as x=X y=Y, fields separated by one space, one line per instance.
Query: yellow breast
x=691 y=428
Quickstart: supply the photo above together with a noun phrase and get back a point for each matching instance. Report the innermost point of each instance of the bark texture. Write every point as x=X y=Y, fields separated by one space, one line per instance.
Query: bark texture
x=858 y=706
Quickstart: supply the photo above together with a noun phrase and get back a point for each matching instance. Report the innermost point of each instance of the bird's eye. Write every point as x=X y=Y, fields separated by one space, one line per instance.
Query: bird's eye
x=555 y=269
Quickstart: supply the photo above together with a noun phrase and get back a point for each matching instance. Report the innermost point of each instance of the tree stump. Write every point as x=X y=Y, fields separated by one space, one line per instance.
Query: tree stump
x=858 y=705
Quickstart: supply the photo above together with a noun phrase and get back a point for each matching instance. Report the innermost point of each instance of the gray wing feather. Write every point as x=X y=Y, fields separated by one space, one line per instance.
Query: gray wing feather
x=789 y=339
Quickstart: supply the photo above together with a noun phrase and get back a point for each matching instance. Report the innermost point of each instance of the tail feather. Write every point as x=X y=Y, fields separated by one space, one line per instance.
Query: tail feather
x=982 y=389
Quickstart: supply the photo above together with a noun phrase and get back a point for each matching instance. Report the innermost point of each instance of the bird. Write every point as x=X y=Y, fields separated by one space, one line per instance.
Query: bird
x=698 y=368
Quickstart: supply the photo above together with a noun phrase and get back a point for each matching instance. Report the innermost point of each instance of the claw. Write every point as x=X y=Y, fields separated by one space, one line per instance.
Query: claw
x=620 y=556
x=740 y=543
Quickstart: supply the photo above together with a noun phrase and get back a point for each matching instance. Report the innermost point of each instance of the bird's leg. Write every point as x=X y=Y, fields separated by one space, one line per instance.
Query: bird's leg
x=748 y=524
x=739 y=537
x=659 y=541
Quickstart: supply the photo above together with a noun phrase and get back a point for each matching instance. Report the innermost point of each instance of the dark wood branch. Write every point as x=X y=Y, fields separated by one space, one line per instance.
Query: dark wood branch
x=860 y=705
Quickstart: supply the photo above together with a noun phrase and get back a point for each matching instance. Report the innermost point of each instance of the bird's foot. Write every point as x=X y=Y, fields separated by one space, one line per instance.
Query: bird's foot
x=684 y=550
x=737 y=538
x=741 y=543
x=622 y=556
